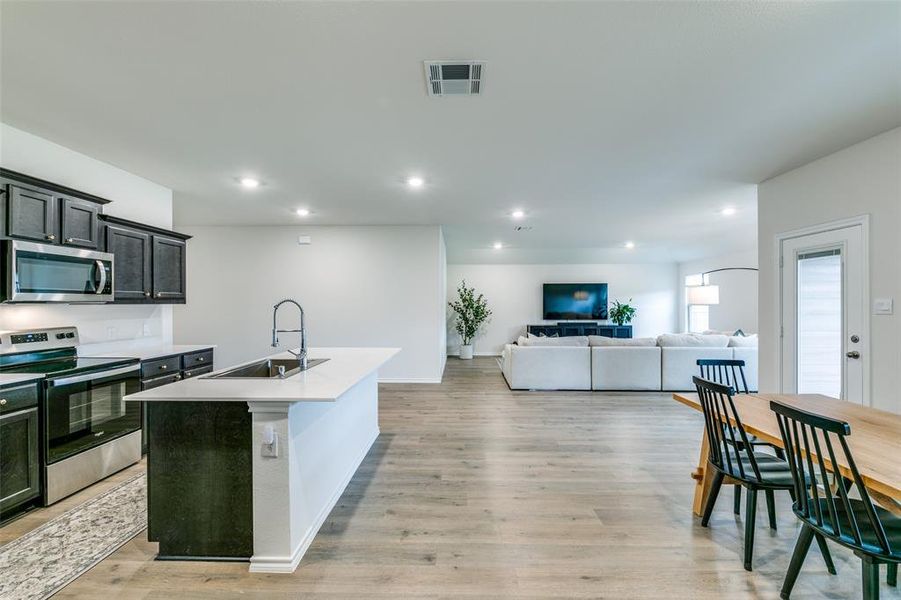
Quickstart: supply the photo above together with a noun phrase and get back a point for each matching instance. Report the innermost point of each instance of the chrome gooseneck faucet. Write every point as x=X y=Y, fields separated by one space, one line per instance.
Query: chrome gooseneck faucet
x=302 y=355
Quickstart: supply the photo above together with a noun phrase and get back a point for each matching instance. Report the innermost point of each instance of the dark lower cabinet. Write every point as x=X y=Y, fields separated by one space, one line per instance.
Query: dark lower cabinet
x=132 y=255
x=20 y=482
x=79 y=223
x=32 y=215
x=160 y=371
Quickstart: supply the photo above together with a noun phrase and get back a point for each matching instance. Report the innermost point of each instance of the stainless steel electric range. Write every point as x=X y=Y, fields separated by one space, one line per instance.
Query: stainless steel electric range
x=88 y=431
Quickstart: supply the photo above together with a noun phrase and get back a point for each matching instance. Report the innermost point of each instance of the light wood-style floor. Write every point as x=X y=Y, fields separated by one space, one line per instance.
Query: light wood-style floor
x=474 y=491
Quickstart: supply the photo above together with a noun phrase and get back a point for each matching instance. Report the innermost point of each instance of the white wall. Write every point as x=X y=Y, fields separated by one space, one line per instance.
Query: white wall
x=738 y=291
x=132 y=198
x=359 y=286
x=514 y=294
x=442 y=294
x=861 y=179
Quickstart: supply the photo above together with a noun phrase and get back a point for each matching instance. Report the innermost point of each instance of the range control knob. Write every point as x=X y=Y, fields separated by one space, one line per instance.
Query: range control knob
x=70 y=335
x=60 y=336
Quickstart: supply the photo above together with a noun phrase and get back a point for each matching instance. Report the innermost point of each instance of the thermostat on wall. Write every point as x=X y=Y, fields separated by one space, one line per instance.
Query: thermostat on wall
x=304 y=240
x=882 y=306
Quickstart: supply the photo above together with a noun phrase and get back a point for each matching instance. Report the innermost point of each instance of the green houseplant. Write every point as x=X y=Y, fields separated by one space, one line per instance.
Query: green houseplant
x=471 y=312
x=622 y=312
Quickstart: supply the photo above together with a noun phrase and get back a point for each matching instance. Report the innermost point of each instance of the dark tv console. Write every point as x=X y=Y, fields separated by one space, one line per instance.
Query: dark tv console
x=586 y=328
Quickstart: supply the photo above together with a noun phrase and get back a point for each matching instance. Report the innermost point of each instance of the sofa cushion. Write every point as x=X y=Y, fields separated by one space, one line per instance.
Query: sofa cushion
x=625 y=368
x=575 y=340
x=679 y=365
x=548 y=368
x=743 y=341
x=522 y=341
x=692 y=340
x=600 y=340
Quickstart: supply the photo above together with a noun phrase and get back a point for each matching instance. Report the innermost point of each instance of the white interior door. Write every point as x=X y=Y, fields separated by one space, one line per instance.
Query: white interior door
x=825 y=331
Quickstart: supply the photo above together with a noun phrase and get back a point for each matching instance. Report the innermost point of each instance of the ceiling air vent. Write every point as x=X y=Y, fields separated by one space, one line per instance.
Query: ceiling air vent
x=454 y=77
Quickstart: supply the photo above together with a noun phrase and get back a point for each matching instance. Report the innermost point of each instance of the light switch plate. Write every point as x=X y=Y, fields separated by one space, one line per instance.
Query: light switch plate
x=883 y=306
x=270 y=450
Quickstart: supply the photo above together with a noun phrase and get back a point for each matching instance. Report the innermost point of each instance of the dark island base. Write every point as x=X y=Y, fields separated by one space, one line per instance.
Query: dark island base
x=199 y=480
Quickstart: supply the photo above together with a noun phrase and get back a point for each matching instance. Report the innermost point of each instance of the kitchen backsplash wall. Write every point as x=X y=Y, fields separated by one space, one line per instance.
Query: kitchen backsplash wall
x=132 y=198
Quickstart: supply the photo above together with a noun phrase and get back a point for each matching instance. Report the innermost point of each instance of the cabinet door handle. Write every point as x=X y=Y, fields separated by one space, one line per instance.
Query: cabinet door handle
x=70 y=240
x=177 y=377
x=146 y=294
x=159 y=294
x=51 y=237
x=200 y=359
x=2 y=401
x=164 y=367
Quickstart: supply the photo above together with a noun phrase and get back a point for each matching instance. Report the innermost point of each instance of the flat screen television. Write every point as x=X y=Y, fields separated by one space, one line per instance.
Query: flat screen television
x=575 y=301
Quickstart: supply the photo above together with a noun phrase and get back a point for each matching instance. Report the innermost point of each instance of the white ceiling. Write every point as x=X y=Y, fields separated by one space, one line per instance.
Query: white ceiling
x=606 y=122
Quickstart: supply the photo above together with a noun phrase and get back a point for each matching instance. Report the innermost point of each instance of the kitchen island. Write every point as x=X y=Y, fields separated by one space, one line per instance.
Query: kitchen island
x=249 y=468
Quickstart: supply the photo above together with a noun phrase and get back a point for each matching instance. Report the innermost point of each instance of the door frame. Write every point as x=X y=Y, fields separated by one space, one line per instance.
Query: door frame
x=864 y=222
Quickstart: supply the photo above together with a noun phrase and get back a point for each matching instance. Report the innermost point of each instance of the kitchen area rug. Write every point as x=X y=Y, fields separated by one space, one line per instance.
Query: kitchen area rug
x=41 y=562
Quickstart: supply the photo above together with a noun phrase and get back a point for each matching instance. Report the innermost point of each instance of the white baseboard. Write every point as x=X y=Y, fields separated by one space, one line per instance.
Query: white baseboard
x=457 y=354
x=288 y=564
x=409 y=380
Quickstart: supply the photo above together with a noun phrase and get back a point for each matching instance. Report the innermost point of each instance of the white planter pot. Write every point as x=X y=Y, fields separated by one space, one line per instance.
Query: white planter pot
x=466 y=352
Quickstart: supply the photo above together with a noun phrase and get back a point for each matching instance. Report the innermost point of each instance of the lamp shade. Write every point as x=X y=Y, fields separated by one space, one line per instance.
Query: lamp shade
x=704 y=294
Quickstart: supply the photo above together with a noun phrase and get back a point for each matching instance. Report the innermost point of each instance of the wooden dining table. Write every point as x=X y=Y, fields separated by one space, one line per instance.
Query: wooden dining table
x=875 y=440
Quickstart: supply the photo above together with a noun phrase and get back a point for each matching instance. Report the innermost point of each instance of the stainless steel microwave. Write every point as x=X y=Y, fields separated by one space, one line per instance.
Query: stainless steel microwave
x=47 y=273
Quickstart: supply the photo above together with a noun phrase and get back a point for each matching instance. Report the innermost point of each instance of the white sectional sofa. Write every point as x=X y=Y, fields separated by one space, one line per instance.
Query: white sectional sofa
x=665 y=363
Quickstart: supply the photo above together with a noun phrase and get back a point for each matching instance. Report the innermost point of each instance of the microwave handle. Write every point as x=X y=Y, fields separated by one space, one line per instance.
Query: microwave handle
x=102 y=285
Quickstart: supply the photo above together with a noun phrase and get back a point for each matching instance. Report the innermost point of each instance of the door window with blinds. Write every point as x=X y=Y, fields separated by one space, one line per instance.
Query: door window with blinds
x=819 y=323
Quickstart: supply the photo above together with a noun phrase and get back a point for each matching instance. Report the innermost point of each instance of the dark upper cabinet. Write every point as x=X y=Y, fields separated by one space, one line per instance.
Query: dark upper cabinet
x=79 y=224
x=168 y=268
x=32 y=215
x=149 y=262
x=132 y=255
x=40 y=211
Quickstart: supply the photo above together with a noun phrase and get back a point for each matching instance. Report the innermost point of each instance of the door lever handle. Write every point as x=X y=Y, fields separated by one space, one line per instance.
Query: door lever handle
x=853 y=354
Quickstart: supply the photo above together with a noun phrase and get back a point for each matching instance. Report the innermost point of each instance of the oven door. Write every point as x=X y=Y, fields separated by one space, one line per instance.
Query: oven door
x=85 y=411
x=45 y=273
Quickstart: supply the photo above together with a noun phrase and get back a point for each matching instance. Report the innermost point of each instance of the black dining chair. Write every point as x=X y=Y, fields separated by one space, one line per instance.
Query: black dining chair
x=873 y=533
x=731 y=454
x=731 y=372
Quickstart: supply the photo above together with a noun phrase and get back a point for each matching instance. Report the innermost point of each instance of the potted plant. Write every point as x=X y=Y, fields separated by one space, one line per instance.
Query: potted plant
x=471 y=313
x=622 y=313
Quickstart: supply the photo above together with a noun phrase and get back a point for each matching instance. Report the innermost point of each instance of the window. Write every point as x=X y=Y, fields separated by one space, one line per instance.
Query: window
x=698 y=314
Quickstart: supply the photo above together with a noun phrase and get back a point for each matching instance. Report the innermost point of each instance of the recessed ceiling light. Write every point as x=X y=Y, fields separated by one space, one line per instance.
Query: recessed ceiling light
x=498 y=245
x=629 y=245
x=302 y=212
x=728 y=211
x=517 y=214
x=250 y=182
x=415 y=182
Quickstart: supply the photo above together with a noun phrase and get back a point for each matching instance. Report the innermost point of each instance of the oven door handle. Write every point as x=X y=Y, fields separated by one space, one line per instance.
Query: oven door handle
x=102 y=285
x=93 y=376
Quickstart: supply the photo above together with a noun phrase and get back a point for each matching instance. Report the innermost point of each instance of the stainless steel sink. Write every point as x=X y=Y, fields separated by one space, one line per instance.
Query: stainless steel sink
x=271 y=368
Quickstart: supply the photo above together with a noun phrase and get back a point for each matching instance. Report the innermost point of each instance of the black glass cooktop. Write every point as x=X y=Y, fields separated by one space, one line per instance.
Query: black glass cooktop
x=69 y=365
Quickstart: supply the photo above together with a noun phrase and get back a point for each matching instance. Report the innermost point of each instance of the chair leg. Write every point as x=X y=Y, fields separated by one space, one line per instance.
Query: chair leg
x=824 y=550
x=750 y=523
x=870 y=577
x=802 y=546
x=893 y=574
x=736 y=505
x=711 y=499
x=780 y=453
x=771 y=508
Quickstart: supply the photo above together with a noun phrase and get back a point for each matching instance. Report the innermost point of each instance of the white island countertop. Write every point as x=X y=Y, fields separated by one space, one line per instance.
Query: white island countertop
x=325 y=382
